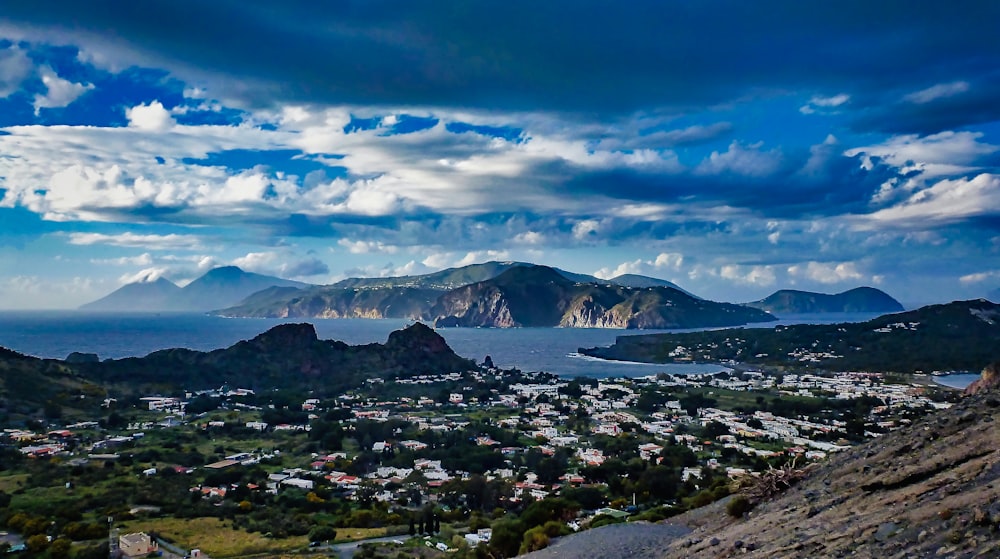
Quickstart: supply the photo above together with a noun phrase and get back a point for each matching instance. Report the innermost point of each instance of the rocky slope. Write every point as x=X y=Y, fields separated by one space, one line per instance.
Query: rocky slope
x=861 y=299
x=336 y=302
x=928 y=490
x=542 y=297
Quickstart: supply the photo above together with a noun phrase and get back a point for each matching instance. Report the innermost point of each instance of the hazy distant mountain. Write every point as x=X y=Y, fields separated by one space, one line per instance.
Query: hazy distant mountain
x=219 y=288
x=140 y=296
x=861 y=299
x=226 y=286
x=541 y=296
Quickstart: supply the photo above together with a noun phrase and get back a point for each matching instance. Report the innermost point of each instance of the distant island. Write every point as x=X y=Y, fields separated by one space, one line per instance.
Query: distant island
x=491 y=294
x=861 y=299
x=958 y=336
x=219 y=287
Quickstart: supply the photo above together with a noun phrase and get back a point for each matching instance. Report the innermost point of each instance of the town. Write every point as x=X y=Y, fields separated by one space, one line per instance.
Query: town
x=457 y=463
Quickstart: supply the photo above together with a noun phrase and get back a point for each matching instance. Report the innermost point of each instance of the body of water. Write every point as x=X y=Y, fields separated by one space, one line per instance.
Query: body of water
x=55 y=334
x=957 y=380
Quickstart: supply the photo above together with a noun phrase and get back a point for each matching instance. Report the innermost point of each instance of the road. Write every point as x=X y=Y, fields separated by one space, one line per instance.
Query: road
x=348 y=549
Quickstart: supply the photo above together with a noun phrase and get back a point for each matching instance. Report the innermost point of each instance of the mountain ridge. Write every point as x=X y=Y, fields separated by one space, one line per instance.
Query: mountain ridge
x=512 y=300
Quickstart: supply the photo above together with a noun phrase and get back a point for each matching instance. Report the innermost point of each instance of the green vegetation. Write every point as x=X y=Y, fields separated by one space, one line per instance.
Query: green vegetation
x=959 y=336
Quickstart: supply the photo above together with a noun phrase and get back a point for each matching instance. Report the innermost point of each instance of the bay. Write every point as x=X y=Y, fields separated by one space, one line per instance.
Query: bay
x=55 y=334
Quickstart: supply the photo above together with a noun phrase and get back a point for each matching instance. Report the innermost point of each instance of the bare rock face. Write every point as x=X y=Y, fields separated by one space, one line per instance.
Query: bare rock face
x=989 y=381
x=928 y=490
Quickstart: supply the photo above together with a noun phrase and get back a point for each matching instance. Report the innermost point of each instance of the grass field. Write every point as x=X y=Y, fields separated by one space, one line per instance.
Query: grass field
x=218 y=539
x=9 y=483
x=215 y=537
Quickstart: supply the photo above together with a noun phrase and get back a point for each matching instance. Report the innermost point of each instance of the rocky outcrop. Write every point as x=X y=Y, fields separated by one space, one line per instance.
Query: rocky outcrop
x=337 y=302
x=990 y=380
x=928 y=490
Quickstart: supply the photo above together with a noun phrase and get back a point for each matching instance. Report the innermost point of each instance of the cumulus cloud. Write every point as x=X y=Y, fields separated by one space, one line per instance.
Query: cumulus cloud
x=936 y=154
x=938 y=91
x=740 y=159
x=529 y=238
x=586 y=229
x=59 y=92
x=365 y=247
x=759 y=275
x=826 y=272
x=665 y=261
x=152 y=116
x=157 y=242
x=946 y=201
x=476 y=256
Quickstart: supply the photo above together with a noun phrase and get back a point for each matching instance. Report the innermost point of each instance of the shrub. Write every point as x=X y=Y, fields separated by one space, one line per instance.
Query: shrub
x=738 y=506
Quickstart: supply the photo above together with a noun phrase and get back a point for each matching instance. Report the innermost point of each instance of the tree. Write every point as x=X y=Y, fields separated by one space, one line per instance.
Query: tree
x=322 y=534
x=37 y=543
x=60 y=548
x=534 y=539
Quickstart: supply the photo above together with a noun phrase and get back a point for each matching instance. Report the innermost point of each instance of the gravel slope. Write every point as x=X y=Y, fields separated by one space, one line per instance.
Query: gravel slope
x=634 y=540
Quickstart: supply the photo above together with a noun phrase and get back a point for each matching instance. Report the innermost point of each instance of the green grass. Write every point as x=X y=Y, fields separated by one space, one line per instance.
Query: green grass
x=9 y=483
x=215 y=537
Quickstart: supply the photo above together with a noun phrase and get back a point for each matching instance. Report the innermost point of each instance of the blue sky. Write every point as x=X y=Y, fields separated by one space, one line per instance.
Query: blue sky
x=734 y=148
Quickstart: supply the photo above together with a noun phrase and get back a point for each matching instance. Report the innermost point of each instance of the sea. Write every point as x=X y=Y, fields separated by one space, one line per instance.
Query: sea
x=56 y=334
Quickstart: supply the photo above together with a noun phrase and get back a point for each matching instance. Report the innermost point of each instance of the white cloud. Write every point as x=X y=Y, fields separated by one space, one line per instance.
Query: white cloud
x=59 y=92
x=742 y=160
x=633 y=267
x=941 y=154
x=366 y=247
x=15 y=66
x=753 y=275
x=663 y=261
x=477 y=256
x=153 y=117
x=947 y=201
x=586 y=229
x=281 y=264
x=826 y=272
x=156 y=242
x=438 y=260
x=669 y=260
x=980 y=277
x=529 y=238
x=824 y=103
x=938 y=91
x=147 y=275
x=144 y=259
